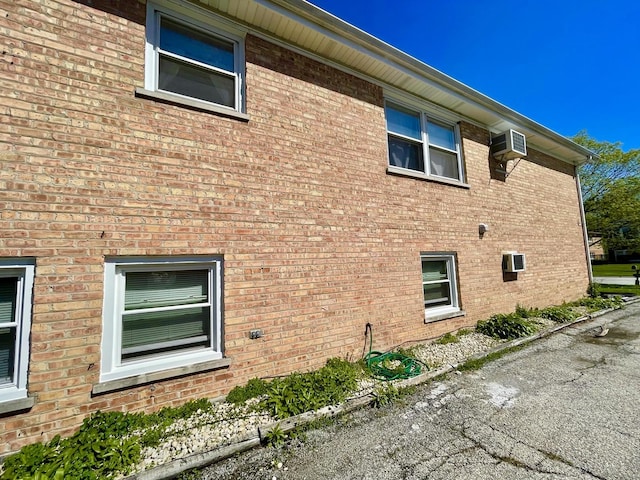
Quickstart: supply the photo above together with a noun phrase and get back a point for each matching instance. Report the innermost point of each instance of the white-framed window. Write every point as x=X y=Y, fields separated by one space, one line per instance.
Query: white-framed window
x=192 y=54
x=439 y=284
x=16 y=291
x=160 y=313
x=421 y=143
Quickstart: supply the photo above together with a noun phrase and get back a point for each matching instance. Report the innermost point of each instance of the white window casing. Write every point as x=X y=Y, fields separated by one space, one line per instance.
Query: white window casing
x=423 y=145
x=439 y=284
x=199 y=61
x=160 y=314
x=16 y=277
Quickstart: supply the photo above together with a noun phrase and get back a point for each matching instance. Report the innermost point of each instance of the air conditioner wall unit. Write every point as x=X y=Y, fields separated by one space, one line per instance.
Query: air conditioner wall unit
x=509 y=144
x=513 y=262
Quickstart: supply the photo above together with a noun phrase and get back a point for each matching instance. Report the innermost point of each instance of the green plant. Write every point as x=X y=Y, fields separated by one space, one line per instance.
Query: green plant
x=107 y=444
x=506 y=326
x=385 y=394
x=561 y=314
x=599 y=303
x=407 y=352
x=194 y=474
x=447 y=338
x=92 y=453
x=303 y=392
x=594 y=290
x=476 y=363
x=524 y=312
x=274 y=437
x=254 y=388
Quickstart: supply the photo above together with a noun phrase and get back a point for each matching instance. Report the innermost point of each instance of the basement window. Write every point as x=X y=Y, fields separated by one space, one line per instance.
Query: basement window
x=439 y=285
x=160 y=314
x=16 y=287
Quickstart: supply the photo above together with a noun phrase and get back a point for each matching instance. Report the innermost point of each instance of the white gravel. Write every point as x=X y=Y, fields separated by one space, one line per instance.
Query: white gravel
x=227 y=424
x=437 y=355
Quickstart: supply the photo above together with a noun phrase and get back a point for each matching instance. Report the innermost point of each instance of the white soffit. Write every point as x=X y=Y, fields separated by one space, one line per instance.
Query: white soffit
x=300 y=24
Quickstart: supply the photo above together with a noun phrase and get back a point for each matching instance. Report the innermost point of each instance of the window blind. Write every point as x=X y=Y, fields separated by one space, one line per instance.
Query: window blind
x=8 y=292
x=7 y=354
x=154 y=328
x=165 y=288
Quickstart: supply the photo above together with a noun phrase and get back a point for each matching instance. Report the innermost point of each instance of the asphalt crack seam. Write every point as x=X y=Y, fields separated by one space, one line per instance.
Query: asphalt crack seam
x=513 y=461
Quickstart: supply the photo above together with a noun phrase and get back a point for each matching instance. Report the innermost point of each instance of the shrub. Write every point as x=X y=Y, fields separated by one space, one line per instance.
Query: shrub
x=600 y=303
x=92 y=453
x=594 y=290
x=524 y=312
x=253 y=389
x=561 y=314
x=303 y=392
x=506 y=326
x=107 y=444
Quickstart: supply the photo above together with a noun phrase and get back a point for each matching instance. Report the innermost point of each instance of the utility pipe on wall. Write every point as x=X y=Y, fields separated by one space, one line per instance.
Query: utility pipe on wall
x=583 y=219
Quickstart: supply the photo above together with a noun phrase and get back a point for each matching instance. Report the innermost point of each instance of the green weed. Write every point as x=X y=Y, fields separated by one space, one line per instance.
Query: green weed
x=561 y=314
x=304 y=392
x=274 y=437
x=476 y=363
x=254 y=388
x=107 y=444
x=506 y=326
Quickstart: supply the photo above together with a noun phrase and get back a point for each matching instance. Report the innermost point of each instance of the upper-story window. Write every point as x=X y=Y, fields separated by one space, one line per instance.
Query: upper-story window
x=420 y=143
x=201 y=60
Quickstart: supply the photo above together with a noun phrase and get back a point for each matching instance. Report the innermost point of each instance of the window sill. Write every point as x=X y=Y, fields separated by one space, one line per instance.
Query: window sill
x=191 y=103
x=423 y=176
x=137 y=380
x=16 y=405
x=445 y=315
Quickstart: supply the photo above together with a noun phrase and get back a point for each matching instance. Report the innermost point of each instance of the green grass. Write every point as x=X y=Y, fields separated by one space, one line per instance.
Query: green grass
x=620 y=289
x=614 y=270
x=476 y=363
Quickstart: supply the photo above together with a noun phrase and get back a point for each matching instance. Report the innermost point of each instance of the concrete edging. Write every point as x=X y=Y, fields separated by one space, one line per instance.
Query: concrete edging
x=174 y=468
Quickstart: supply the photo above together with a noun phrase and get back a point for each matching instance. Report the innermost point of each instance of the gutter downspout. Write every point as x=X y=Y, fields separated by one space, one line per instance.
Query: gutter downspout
x=583 y=219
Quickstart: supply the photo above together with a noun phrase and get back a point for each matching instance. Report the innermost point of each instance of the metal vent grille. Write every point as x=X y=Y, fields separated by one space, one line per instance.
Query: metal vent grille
x=518 y=142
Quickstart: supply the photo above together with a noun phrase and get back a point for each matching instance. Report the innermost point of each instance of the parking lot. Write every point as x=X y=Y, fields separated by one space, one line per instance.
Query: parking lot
x=565 y=406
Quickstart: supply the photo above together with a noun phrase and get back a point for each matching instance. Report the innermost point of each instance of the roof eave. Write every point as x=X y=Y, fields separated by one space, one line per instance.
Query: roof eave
x=459 y=97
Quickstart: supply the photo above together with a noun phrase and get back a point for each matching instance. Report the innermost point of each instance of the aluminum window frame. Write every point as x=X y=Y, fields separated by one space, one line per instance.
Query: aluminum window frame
x=24 y=270
x=206 y=23
x=112 y=365
x=426 y=118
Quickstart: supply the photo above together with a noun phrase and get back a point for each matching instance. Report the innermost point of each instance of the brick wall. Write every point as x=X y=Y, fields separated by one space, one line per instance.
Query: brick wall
x=317 y=238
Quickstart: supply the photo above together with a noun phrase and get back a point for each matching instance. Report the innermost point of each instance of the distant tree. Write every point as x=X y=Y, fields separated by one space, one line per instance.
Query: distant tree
x=611 y=192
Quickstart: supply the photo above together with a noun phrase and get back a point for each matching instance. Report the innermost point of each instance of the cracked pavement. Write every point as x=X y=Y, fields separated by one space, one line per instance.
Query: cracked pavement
x=564 y=407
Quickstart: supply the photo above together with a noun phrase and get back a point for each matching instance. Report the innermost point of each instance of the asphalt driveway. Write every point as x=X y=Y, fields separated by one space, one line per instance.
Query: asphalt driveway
x=564 y=407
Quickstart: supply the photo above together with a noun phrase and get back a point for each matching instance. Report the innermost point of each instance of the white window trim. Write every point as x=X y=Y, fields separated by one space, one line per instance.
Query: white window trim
x=206 y=22
x=426 y=116
x=444 y=311
x=112 y=367
x=25 y=270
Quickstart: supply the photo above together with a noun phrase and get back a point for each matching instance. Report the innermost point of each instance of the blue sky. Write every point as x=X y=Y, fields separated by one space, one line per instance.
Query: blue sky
x=570 y=65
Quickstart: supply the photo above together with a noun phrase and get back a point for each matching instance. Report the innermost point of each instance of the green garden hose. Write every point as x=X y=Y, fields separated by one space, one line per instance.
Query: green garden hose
x=390 y=365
